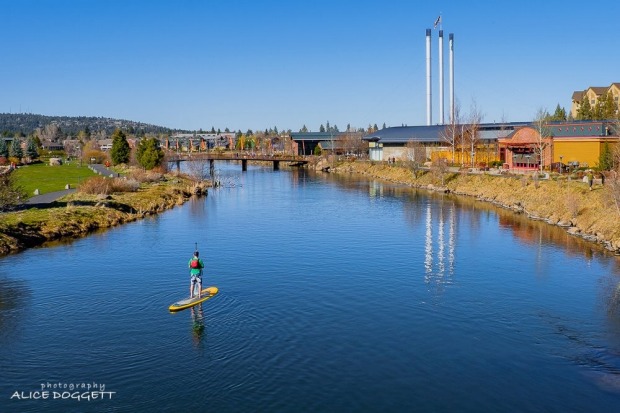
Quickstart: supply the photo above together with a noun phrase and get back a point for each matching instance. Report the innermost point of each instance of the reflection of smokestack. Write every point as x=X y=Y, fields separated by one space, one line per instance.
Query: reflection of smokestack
x=441 y=119
x=429 y=116
x=451 y=47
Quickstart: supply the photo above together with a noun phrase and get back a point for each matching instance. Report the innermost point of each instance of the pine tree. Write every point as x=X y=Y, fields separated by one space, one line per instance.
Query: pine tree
x=559 y=114
x=608 y=108
x=120 y=151
x=322 y=129
x=15 y=150
x=31 y=148
x=149 y=154
x=4 y=149
x=597 y=109
x=605 y=161
x=585 y=109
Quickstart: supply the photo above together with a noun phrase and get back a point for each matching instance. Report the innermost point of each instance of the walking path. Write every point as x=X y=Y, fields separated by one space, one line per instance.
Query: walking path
x=46 y=199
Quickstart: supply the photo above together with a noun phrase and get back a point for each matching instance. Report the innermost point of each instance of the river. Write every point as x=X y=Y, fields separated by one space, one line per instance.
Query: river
x=336 y=294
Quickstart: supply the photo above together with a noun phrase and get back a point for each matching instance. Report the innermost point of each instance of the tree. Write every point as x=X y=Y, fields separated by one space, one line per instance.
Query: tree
x=120 y=151
x=585 y=109
x=15 y=150
x=559 y=114
x=608 y=107
x=4 y=149
x=304 y=129
x=148 y=153
x=542 y=137
x=10 y=193
x=415 y=155
x=450 y=134
x=605 y=162
x=322 y=128
x=475 y=117
x=31 y=148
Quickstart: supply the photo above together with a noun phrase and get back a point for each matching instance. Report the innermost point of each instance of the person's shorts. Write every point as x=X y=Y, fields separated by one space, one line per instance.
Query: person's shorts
x=196 y=279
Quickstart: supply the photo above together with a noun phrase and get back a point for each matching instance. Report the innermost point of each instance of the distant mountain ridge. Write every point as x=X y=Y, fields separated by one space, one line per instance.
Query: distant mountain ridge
x=71 y=125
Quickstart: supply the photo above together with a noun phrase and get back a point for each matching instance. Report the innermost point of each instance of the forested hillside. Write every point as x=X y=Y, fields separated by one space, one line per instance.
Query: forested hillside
x=27 y=123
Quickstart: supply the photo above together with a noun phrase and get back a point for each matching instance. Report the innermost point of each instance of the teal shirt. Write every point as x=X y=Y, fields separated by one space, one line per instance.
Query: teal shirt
x=195 y=271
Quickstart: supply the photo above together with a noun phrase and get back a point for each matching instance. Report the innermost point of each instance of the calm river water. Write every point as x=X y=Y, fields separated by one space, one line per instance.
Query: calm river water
x=336 y=295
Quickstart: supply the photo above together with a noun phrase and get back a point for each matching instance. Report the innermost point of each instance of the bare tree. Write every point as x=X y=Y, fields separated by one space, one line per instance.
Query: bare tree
x=198 y=168
x=439 y=167
x=415 y=154
x=473 y=138
x=350 y=142
x=451 y=133
x=543 y=135
x=612 y=183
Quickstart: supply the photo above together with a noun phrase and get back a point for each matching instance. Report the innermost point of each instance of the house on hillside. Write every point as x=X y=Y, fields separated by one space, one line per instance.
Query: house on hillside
x=593 y=94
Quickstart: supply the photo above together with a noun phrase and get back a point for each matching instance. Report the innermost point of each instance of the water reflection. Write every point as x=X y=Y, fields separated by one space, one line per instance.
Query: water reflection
x=13 y=296
x=439 y=269
x=198 y=325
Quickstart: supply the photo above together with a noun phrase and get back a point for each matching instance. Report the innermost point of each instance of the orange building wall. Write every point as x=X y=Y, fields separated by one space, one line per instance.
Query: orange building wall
x=587 y=153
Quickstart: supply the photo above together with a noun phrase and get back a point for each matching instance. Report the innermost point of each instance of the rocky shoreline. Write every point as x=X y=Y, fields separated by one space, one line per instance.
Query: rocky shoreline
x=569 y=205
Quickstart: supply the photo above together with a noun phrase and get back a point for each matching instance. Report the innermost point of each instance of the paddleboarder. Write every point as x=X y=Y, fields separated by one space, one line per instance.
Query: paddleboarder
x=195 y=265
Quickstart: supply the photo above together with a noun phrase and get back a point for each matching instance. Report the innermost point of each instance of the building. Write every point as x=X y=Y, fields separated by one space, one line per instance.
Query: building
x=391 y=143
x=593 y=94
x=347 y=143
x=517 y=145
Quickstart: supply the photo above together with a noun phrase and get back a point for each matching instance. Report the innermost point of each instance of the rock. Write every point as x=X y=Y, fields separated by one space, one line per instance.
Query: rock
x=574 y=231
x=37 y=192
x=55 y=161
x=68 y=186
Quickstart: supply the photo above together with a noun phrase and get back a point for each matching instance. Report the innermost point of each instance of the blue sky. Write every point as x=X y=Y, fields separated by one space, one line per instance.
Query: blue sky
x=258 y=64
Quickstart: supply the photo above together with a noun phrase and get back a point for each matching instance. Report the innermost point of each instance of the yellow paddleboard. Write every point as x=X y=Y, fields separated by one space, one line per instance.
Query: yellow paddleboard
x=190 y=302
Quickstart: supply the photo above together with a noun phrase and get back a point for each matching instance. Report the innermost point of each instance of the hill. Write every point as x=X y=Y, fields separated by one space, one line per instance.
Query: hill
x=26 y=123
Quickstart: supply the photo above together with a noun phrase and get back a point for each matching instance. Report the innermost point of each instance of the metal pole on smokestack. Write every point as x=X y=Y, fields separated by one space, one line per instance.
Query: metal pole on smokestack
x=451 y=47
x=429 y=116
x=441 y=117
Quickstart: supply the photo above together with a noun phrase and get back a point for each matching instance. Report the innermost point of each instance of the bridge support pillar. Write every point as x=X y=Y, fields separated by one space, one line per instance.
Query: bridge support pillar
x=276 y=165
x=178 y=165
x=211 y=167
x=244 y=165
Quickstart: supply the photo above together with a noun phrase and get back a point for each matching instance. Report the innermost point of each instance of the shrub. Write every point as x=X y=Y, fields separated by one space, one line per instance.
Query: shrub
x=105 y=186
x=11 y=194
x=142 y=176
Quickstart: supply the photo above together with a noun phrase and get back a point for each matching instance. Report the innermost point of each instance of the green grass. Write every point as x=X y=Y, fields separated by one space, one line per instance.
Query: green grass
x=47 y=178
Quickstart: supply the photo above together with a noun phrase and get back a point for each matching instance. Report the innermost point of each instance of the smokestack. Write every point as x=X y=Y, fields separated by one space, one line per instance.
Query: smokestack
x=451 y=47
x=441 y=117
x=429 y=116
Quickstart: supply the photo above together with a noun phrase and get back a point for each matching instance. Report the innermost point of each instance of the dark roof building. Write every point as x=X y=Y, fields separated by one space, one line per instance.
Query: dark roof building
x=400 y=135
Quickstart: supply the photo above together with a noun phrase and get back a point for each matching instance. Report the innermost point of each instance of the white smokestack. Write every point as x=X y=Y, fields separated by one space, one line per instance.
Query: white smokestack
x=441 y=117
x=429 y=116
x=451 y=47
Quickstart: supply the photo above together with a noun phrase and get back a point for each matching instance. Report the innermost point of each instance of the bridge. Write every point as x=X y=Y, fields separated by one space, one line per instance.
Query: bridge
x=243 y=157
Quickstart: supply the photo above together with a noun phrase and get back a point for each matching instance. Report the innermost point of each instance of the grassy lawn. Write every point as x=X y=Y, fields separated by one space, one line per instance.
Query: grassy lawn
x=47 y=178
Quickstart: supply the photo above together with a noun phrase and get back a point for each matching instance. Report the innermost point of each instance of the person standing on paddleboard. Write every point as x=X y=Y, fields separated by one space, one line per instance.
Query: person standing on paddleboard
x=195 y=271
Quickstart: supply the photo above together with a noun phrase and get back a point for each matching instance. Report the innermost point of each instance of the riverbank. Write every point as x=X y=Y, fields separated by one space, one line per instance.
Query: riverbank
x=568 y=204
x=79 y=214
